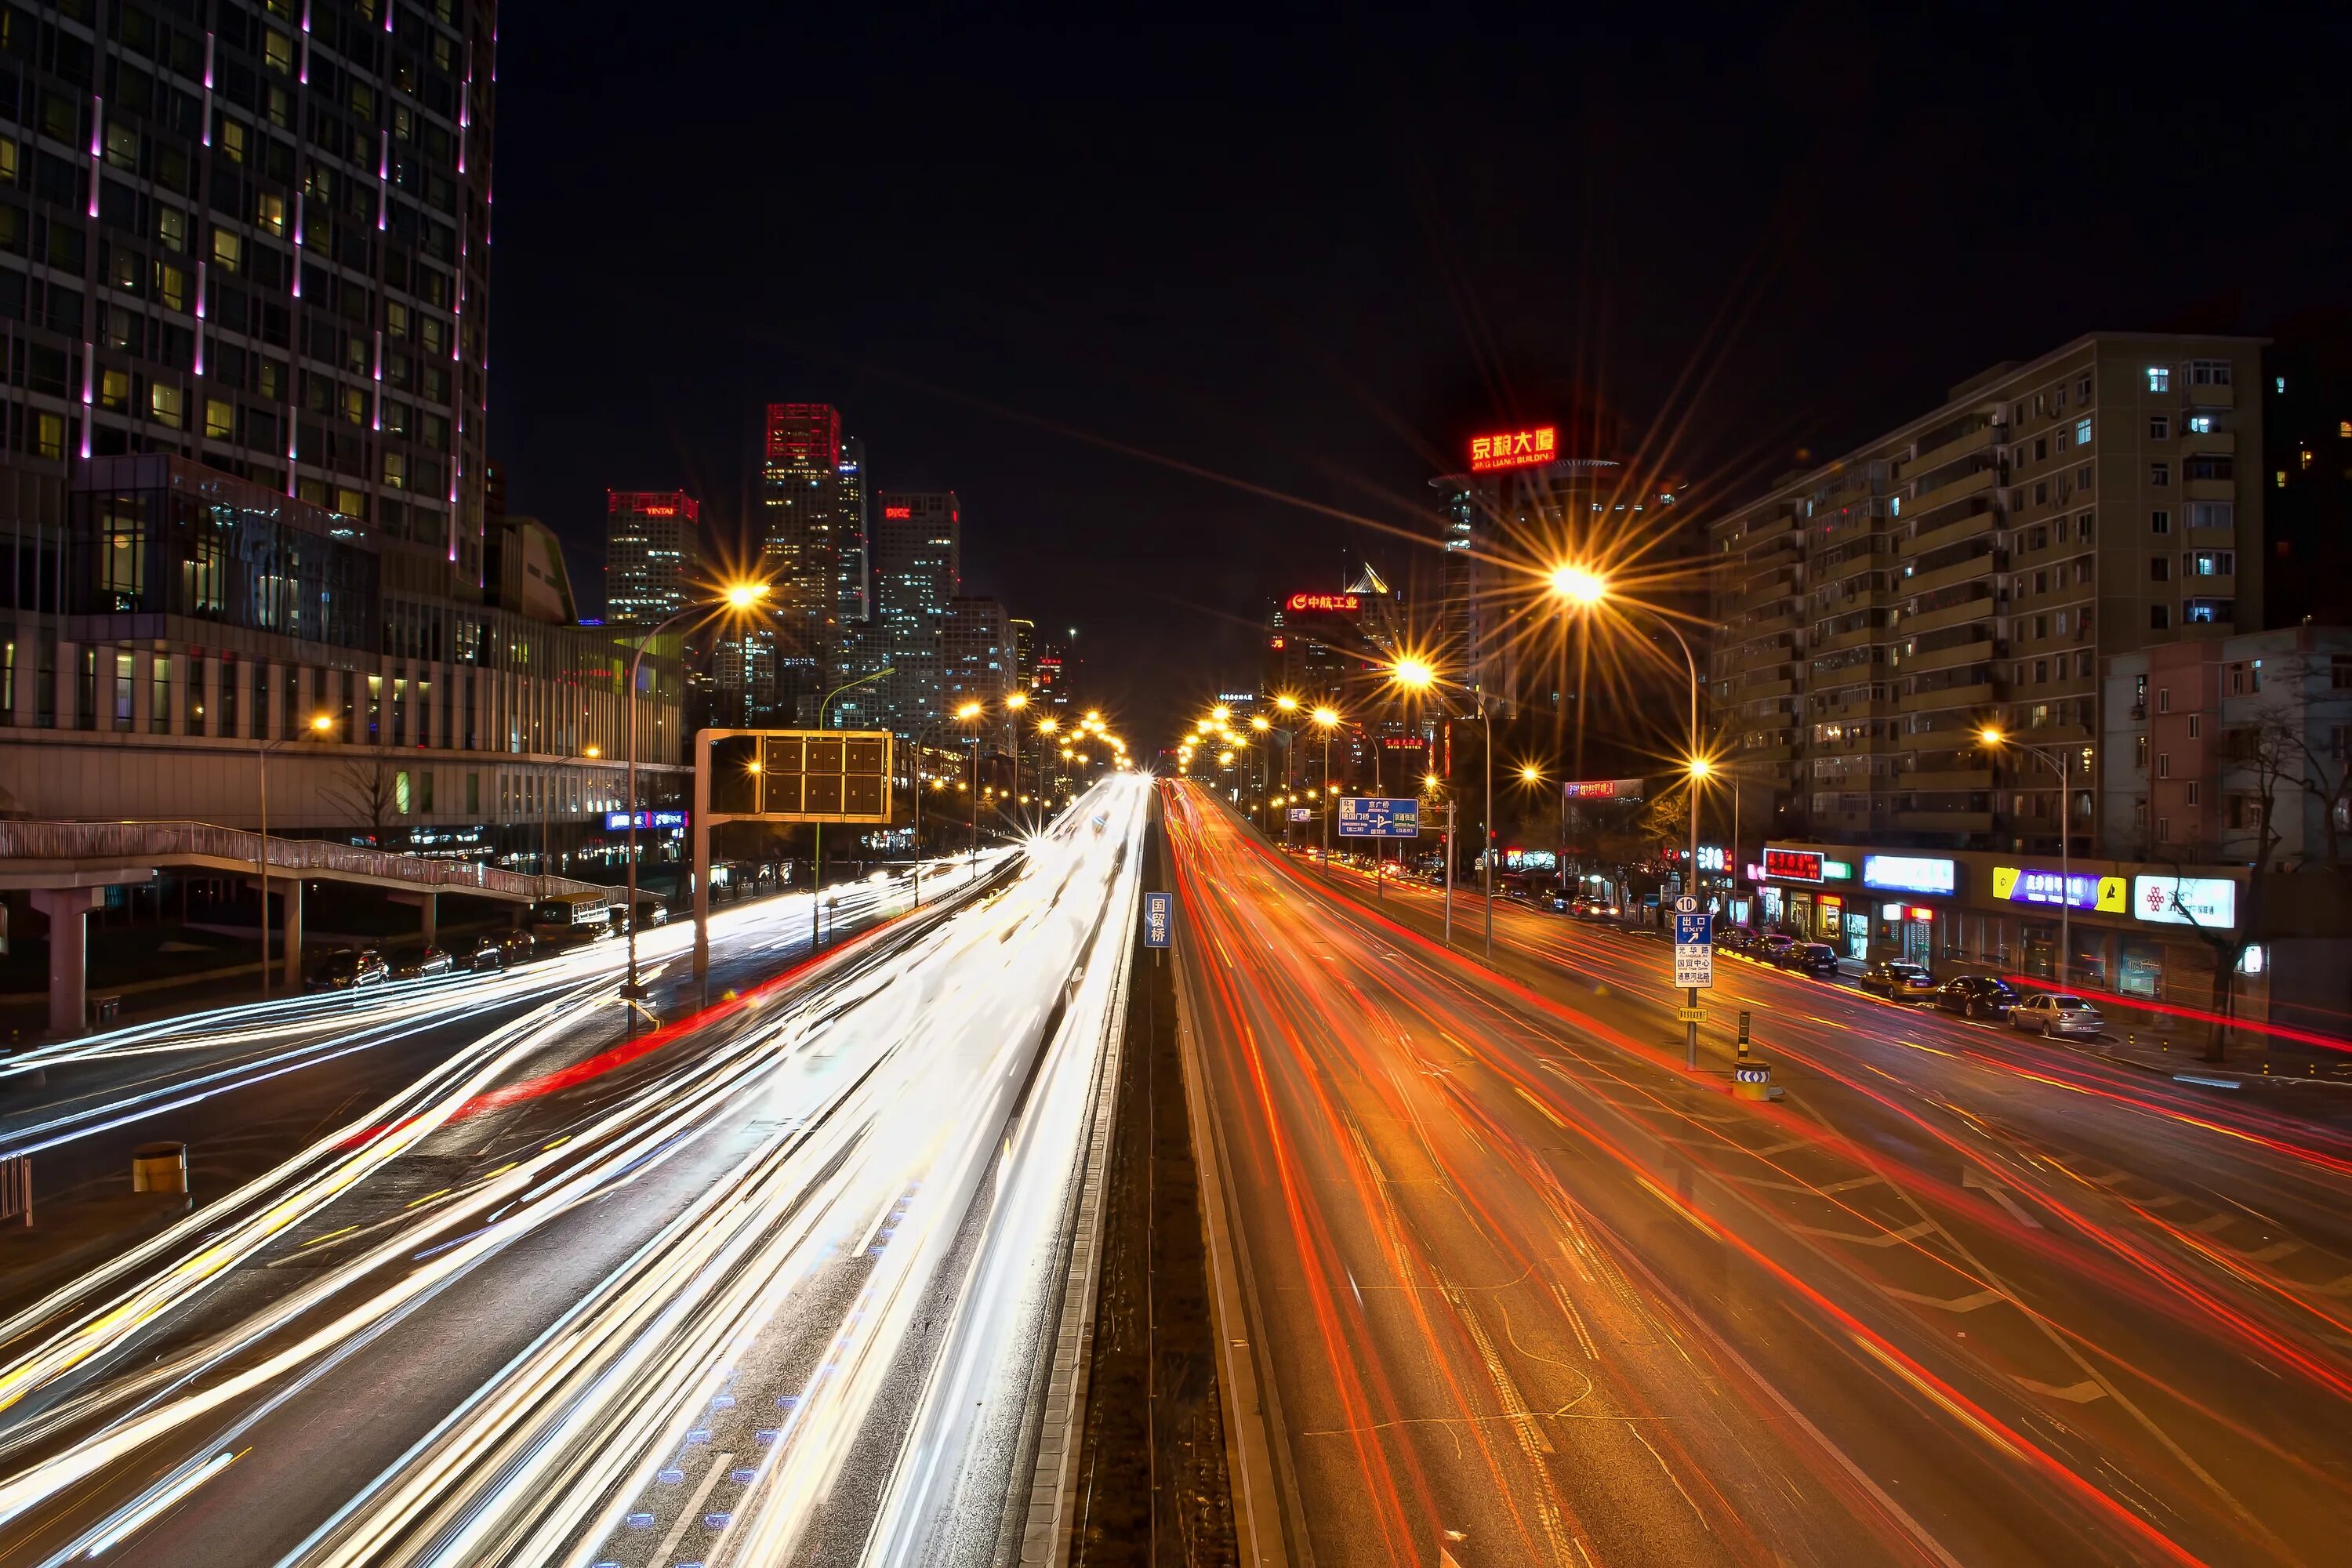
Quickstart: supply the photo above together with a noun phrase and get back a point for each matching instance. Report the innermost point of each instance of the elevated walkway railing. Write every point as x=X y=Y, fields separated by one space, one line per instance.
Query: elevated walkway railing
x=117 y=843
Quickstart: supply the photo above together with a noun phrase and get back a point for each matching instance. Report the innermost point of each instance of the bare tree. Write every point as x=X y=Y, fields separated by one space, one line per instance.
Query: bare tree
x=367 y=789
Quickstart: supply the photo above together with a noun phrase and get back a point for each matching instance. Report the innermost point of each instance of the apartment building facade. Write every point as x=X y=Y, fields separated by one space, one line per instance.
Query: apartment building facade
x=1970 y=571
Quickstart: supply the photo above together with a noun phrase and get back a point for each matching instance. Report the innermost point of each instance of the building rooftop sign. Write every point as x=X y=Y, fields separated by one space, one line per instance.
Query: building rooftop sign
x=1324 y=603
x=1514 y=448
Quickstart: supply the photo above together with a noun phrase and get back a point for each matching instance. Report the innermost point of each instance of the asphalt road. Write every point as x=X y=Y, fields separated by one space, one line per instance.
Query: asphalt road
x=1522 y=1289
x=573 y=1293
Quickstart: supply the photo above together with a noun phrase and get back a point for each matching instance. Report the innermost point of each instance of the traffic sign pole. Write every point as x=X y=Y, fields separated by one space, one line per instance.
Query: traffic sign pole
x=1694 y=957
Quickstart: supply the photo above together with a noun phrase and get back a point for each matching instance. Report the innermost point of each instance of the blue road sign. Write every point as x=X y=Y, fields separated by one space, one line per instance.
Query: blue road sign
x=1694 y=931
x=1159 y=918
x=1373 y=817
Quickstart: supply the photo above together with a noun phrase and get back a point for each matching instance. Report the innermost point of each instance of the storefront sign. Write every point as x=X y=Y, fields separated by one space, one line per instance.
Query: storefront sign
x=2077 y=889
x=1837 y=870
x=1602 y=789
x=1908 y=874
x=1529 y=859
x=2208 y=902
x=1792 y=865
x=1827 y=908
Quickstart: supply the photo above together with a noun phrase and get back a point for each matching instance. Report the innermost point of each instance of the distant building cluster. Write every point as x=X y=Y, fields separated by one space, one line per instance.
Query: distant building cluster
x=861 y=583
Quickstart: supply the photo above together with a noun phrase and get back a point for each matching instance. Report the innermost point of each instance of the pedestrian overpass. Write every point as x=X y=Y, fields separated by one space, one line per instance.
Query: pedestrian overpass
x=67 y=866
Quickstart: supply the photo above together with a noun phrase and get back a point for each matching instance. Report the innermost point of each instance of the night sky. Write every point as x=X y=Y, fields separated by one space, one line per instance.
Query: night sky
x=1313 y=259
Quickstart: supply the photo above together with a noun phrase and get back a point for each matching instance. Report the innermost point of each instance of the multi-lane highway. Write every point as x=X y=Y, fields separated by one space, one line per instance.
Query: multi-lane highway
x=776 y=1280
x=1520 y=1288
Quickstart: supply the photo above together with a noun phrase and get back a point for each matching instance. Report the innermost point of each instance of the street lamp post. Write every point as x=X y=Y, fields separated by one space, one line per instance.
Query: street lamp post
x=1584 y=588
x=1327 y=719
x=1417 y=674
x=816 y=848
x=1994 y=738
x=319 y=725
x=737 y=598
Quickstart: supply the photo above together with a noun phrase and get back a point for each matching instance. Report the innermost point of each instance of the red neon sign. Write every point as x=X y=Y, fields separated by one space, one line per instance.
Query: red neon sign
x=1324 y=603
x=658 y=511
x=898 y=511
x=1792 y=865
x=1514 y=448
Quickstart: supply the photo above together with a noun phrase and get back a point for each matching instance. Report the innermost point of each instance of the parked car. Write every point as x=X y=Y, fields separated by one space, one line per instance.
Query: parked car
x=1898 y=980
x=1818 y=959
x=426 y=960
x=1772 y=944
x=1736 y=938
x=2056 y=1014
x=1977 y=996
x=489 y=953
x=347 y=969
x=518 y=947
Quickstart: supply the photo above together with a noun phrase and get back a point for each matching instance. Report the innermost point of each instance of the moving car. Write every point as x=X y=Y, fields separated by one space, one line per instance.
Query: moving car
x=2056 y=1014
x=347 y=969
x=518 y=947
x=1898 y=980
x=1977 y=996
x=1818 y=959
x=429 y=961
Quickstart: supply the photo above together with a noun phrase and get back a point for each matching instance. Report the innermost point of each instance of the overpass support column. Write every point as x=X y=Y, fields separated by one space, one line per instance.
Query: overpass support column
x=429 y=907
x=68 y=912
x=293 y=940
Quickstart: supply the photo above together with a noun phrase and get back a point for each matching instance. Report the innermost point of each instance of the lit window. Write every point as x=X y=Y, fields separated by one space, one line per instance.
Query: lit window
x=220 y=419
x=2159 y=378
x=2082 y=432
x=231 y=141
x=168 y=405
x=278 y=51
x=122 y=147
x=228 y=250
x=269 y=212
x=395 y=470
x=113 y=389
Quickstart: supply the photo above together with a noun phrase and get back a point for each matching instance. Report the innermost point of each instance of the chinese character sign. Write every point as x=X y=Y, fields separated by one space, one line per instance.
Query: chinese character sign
x=1514 y=448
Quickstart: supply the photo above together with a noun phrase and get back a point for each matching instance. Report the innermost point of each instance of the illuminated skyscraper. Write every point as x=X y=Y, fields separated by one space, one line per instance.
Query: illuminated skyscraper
x=653 y=554
x=854 y=587
x=917 y=566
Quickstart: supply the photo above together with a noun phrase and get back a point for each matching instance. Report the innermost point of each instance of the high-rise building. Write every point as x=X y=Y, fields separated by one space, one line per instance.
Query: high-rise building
x=1024 y=651
x=854 y=593
x=653 y=554
x=245 y=286
x=976 y=654
x=918 y=568
x=262 y=248
x=801 y=513
x=1971 y=570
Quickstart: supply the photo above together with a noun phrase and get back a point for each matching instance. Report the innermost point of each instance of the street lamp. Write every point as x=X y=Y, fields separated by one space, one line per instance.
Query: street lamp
x=1326 y=718
x=1582 y=588
x=735 y=601
x=321 y=725
x=1993 y=737
x=1418 y=675
x=969 y=714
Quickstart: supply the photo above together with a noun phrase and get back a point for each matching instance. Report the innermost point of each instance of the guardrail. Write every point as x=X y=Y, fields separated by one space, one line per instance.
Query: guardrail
x=120 y=841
